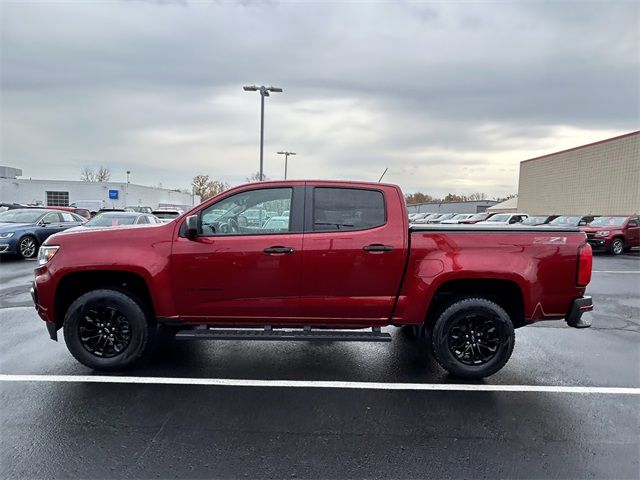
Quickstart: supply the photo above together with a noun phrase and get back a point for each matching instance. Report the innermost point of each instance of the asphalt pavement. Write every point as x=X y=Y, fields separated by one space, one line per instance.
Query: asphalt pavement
x=281 y=430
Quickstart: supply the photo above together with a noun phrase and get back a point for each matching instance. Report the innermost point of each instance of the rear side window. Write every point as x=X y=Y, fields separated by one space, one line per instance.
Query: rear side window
x=339 y=209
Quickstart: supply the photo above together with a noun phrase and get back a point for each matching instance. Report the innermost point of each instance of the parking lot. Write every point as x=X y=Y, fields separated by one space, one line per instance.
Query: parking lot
x=290 y=410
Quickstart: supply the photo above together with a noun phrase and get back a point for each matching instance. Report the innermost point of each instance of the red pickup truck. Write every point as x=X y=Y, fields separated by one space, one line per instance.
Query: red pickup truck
x=326 y=261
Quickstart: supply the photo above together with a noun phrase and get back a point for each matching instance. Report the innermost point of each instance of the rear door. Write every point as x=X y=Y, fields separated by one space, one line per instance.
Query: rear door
x=353 y=254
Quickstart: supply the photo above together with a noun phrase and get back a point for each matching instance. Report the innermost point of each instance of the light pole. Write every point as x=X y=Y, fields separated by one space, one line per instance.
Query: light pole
x=286 y=158
x=264 y=92
x=126 y=197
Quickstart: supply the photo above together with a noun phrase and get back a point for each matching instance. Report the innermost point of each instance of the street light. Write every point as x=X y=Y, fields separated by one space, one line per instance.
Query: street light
x=264 y=92
x=286 y=157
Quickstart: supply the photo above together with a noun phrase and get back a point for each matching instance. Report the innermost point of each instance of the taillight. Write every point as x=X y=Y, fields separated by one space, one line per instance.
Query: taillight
x=585 y=260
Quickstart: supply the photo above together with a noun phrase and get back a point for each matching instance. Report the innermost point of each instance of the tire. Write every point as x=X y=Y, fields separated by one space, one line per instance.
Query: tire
x=117 y=320
x=28 y=246
x=475 y=317
x=617 y=246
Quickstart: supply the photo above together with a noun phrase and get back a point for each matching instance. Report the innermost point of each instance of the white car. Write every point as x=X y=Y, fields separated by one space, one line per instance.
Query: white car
x=504 y=219
x=457 y=218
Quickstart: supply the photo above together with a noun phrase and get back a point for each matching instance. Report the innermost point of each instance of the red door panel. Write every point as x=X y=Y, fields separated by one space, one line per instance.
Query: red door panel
x=232 y=279
x=344 y=283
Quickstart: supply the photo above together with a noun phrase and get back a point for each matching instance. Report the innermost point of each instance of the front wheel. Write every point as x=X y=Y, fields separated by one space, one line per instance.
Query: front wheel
x=617 y=246
x=28 y=246
x=106 y=330
x=473 y=338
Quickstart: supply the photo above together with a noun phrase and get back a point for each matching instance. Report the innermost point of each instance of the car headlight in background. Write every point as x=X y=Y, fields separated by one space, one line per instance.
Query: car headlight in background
x=6 y=235
x=46 y=253
x=603 y=233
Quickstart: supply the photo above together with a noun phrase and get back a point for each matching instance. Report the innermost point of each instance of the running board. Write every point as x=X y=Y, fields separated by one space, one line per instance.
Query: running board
x=375 y=335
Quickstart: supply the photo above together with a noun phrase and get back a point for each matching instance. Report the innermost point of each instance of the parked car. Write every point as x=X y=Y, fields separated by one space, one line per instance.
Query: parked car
x=616 y=234
x=535 y=220
x=93 y=206
x=421 y=217
x=504 y=219
x=83 y=212
x=166 y=215
x=10 y=206
x=23 y=230
x=457 y=218
x=439 y=218
x=478 y=217
x=117 y=219
x=360 y=258
x=572 y=220
x=138 y=209
x=278 y=223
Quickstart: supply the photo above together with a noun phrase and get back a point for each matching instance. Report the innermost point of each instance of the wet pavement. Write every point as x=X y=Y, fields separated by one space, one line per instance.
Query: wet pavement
x=80 y=430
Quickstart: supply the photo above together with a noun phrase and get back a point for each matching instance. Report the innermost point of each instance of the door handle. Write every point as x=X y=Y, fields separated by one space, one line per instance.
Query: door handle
x=378 y=247
x=278 y=250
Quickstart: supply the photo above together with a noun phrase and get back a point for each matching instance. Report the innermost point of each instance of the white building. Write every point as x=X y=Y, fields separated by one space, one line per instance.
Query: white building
x=65 y=192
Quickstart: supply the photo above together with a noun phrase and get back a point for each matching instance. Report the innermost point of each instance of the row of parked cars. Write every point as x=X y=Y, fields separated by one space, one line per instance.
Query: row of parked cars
x=24 y=228
x=612 y=233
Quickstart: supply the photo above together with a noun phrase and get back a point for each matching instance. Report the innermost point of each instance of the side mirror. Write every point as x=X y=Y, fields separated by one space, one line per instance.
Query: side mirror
x=192 y=226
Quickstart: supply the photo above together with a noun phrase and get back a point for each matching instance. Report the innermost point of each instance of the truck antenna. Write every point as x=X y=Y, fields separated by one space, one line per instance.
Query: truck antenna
x=385 y=171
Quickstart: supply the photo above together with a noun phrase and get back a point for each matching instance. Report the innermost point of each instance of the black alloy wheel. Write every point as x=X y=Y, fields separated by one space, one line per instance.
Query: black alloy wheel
x=473 y=338
x=104 y=331
x=107 y=329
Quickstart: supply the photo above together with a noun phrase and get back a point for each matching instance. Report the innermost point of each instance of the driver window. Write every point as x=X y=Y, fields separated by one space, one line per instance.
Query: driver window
x=255 y=212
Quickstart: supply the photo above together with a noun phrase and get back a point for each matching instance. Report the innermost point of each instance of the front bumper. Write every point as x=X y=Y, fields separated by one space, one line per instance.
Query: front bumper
x=51 y=326
x=599 y=243
x=578 y=307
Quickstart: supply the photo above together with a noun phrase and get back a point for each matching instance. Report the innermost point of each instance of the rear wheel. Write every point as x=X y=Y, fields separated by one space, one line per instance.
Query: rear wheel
x=617 y=246
x=473 y=338
x=106 y=330
x=28 y=246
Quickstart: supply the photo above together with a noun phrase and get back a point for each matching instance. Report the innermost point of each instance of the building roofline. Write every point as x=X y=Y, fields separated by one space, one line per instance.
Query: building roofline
x=630 y=134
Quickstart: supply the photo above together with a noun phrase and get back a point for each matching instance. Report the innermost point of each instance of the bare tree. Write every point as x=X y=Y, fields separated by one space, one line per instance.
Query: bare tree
x=206 y=188
x=103 y=174
x=255 y=177
x=477 y=196
x=87 y=175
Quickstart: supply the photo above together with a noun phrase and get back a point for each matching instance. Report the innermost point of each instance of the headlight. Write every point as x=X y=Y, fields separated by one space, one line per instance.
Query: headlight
x=46 y=253
x=6 y=235
x=602 y=233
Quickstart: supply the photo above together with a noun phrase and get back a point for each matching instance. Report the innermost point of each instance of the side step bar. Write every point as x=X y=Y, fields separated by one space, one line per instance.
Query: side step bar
x=375 y=335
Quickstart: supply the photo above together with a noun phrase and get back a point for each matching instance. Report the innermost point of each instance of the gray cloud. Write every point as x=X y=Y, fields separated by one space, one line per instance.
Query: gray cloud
x=449 y=96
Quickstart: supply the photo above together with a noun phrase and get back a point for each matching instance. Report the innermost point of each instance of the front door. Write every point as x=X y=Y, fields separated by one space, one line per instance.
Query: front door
x=354 y=253
x=632 y=233
x=241 y=272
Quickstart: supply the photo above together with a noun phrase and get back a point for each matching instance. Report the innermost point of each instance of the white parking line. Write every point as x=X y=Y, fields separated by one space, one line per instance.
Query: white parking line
x=616 y=271
x=232 y=382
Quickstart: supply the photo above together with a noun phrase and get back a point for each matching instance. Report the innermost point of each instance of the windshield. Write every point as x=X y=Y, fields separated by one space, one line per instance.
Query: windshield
x=608 y=222
x=111 y=220
x=478 y=216
x=535 y=220
x=566 y=220
x=20 y=216
x=462 y=216
x=499 y=218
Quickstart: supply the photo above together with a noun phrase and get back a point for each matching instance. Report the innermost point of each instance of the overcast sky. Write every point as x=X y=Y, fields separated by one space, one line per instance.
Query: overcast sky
x=451 y=96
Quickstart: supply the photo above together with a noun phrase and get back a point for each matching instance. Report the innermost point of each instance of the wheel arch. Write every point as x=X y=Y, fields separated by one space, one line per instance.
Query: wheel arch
x=505 y=293
x=75 y=284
